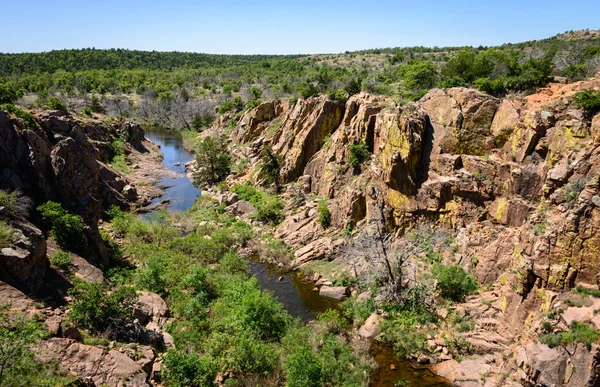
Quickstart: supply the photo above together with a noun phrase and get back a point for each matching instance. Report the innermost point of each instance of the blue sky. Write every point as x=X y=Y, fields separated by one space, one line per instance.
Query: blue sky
x=285 y=27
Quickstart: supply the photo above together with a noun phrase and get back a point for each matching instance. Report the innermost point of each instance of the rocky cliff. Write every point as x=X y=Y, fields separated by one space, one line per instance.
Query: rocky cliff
x=516 y=180
x=63 y=158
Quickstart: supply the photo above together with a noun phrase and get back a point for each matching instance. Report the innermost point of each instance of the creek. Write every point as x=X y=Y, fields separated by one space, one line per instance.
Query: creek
x=293 y=291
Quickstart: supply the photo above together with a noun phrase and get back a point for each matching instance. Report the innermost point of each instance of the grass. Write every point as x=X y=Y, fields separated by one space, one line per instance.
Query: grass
x=62 y=260
x=579 y=333
x=6 y=235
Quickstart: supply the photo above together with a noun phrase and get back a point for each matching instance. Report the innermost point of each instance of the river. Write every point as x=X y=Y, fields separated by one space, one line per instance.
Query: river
x=295 y=293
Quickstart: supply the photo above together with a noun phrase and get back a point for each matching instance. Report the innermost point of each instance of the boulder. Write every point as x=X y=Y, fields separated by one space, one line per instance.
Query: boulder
x=240 y=208
x=150 y=306
x=371 y=328
x=101 y=366
x=541 y=365
x=335 y=292
x=461 y=119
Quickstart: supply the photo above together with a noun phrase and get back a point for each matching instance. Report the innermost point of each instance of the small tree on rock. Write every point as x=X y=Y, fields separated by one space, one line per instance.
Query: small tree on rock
x=213 y=161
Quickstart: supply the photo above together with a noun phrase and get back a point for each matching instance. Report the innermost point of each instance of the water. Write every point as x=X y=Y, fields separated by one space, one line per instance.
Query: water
x=180 y=191
x=295 y=293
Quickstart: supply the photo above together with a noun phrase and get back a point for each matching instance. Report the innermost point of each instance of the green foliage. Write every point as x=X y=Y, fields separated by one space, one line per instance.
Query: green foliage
x=324 y=213
x=213 y=160
x=61 y=259
x=87 y=111
x=6 y=235
x=224 y=322
x=66 y=228
x=353 y=87
x=579 y=332
x=55 y=103
x=189 y=370
x=270 y=165
x=243 y=307
x=359 y=310
x=338 y=95
x=419 y=75
x=8 y=93
x=407 y=330
x=453 y=282
x=268 y=207
x=94 y=309
x=303 y=368
x=309 y=90
x=358 y=154
x=587 y=291
x=588 y=100
x=18 y=364
x=22 y=114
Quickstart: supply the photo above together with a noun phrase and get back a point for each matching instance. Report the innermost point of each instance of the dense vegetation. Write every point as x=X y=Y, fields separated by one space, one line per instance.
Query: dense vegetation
x=182 y=89
x=224 y=323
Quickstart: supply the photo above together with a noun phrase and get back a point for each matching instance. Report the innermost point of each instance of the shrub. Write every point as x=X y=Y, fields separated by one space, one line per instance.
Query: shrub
x=18 y=364
x=270 y=165
x=324 y=213
x=98 y=311
x=588 y=100
x=61 y=259
x=338 y=95
x=213 y=160
x=579 y=332
x=67 y=228
x=358 y=154
x=189 y=370
x=8 y=93
x=303 y=368
x=587 y=291
x=453 y=282
x=268 y=207
x=87 y=111
x=22 y=114
x=6 y=235
x=55 y=103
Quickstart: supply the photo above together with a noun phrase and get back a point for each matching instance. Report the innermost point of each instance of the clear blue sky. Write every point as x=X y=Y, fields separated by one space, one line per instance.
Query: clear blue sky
x=271 y=27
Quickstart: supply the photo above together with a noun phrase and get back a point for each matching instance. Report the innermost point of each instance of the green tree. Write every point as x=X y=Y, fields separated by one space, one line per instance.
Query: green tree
x=270 y=165
x=454 y=282
x=8 y=93
x=213 y=161
x=66 y=227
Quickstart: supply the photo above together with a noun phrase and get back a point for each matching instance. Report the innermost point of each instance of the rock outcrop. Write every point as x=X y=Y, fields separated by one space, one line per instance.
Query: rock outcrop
x=65 y=159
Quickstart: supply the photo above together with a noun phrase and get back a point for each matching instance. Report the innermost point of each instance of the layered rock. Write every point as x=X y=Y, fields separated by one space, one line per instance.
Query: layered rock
x=63 y=159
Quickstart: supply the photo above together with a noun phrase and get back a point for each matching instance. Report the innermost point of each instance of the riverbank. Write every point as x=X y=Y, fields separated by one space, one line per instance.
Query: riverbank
x=299 y=298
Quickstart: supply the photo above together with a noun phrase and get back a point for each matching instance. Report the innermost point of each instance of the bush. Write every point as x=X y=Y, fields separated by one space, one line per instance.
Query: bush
x=324 y=213
x=66 y=228
x=338 y=95
x=8 y=93
x=22 y=114
x=18 y=364
x=189 y=370
x=213 y=160
x=6 y=235
x=98 y=311
x=87 y=111
x=55 y=103
x=303 y=368
x=358 y=154
x=268 y=207
x=61 y=259
x=579 y=332
x=588 y=100
x=453 y=282
x=270 y=165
